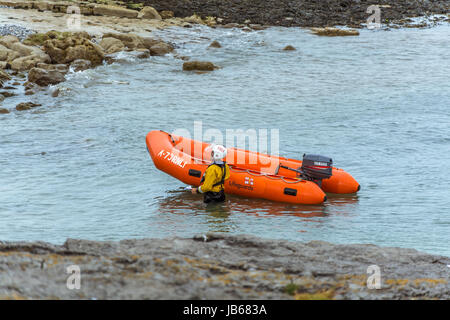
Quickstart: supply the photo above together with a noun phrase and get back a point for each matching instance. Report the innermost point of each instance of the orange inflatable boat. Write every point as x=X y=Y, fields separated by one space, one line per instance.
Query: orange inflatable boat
x=253 y=174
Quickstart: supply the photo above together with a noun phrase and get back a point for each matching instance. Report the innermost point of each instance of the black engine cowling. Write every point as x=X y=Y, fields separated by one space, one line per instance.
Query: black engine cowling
x=316 y=167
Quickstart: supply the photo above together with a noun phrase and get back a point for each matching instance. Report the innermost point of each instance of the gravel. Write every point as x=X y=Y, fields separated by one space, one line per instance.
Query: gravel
x=15 y=30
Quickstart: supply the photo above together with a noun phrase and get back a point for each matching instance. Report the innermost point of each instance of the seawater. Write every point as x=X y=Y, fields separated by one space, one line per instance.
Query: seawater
x=378 y=104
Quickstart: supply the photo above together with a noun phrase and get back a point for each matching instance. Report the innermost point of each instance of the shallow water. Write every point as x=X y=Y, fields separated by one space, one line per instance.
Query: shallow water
x=378 y=104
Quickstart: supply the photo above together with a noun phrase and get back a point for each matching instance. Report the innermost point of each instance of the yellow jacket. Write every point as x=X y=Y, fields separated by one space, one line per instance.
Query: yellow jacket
x=213 y=175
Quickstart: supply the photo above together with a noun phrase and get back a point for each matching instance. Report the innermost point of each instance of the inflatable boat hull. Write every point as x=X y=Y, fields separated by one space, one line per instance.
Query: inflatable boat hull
x=169 y=155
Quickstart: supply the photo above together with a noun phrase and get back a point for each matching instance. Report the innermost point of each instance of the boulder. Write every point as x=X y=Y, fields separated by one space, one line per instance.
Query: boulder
x=30 y=85
x=41 y=6
x=63 y=68
x=44 y=77
x=110 y=59
x=114 y=11
x=91 y=52
x=21 y=56
x=24 y=63
x=38 y=39
x=196 y=19
x=22 y=49
x=230 y=25
x=4 y=65
x=8 y=40
x=111 y=45
x=131 y=41
x=149 y=42
x=215 y=44
x=56 y=92
x=134 y=42
x=143 y=53
x=198 y=65
x=80 y=65
x=166 y=14
x=334 y=32
x=4 y=76
x=7 y=54
x=289 y=48
x=149 y=13
x=257 y=27
x=210 y=21
x=58 y=7
x=7 y=94
x=26 y=106
x=72 y=48
x=30 y=61
x=3 y=110
x=160 y=49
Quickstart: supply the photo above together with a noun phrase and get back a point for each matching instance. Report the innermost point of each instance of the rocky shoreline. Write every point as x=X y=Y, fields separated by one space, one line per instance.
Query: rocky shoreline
x=42 y=48
x=255 y=15
x=309 y=13
x=217 y=266
x=43 y=59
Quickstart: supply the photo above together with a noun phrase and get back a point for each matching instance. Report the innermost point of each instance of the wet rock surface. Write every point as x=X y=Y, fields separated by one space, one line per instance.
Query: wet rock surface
x=199 y=66
x=215 y=44
x=334 y=32
x=26 y=106
x=73 y=47
x=218 y=266
x=44 y=77
x=48 y=57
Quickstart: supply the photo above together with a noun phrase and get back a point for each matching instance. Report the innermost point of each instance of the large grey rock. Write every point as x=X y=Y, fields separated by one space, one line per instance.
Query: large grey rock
x=218 y=266
x=80 y=65
x=28 y=62
x=149 y=13
x=160 y=49
x=63 y=68
x=111 y=45
x=114 y=11
x=198 y=66
x=4 y=77
x=8 y=40
x=7 y=54
x=73 y=47
x=26 y=106
x=44 y=77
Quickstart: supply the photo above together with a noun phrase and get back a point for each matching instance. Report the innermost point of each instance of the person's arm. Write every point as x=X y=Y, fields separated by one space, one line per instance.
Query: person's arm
x=210 y=177
x=227 y=172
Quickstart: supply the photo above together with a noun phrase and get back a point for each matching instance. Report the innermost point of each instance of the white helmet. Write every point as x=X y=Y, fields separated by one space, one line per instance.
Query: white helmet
x=218 y=152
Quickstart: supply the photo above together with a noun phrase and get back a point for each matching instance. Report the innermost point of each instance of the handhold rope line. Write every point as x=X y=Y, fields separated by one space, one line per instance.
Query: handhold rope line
x=253 y=173
x=237 y=169
x=232 y=148
x=269 y=176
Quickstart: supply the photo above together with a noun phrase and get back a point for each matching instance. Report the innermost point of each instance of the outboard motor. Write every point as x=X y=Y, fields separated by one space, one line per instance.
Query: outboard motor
x=316 y=168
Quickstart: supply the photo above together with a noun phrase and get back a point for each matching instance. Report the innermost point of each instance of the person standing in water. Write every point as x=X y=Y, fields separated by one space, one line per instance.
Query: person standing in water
x=215 y=176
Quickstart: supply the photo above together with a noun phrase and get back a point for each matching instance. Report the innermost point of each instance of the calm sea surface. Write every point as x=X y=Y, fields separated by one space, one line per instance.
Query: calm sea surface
x=378 y=104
